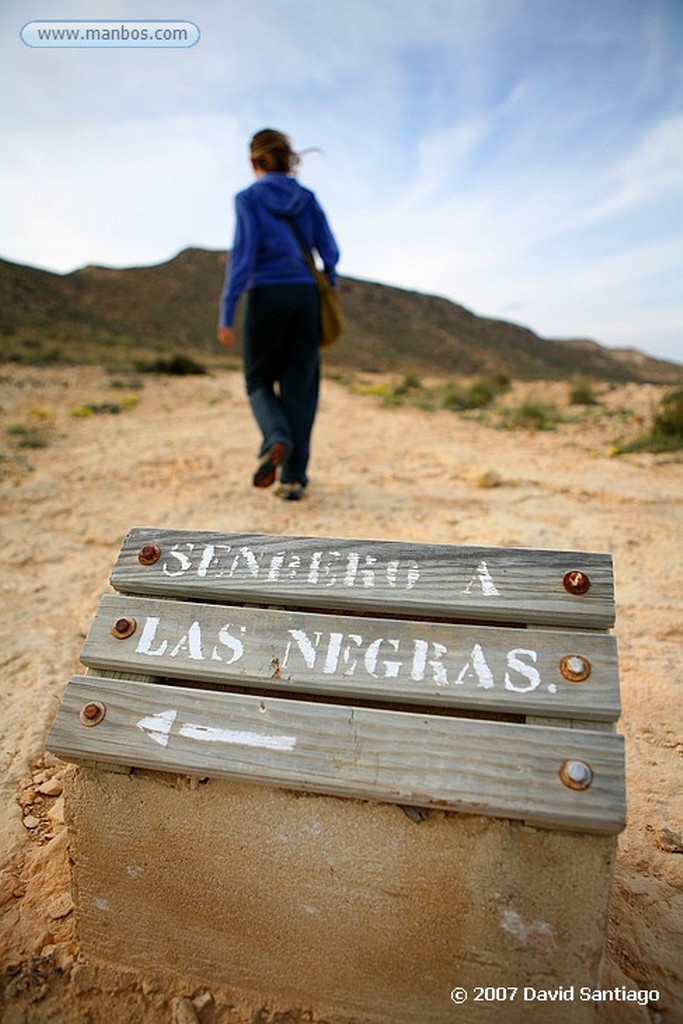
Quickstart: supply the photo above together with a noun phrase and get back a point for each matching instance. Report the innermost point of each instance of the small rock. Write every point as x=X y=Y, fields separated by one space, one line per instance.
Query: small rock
x=184 y=1012
x=30 y=821
x=66 y=962
x=53 y=787
x=489 y=479
x=60 y=956
x=670 y=840
x=56 y=812
x=416 y=814
x=60 y=907
x=26 y=801
x=202 y=1000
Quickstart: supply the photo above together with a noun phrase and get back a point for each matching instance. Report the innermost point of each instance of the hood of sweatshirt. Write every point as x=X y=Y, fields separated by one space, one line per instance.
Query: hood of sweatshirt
x=281 y=195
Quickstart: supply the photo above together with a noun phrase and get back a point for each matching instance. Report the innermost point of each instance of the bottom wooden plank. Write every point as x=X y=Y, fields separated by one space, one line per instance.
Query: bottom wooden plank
x=478 y=767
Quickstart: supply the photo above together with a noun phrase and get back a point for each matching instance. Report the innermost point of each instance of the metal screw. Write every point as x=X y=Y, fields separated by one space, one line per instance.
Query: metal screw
x=576 y=582
x=575 y=668
x=123 y=628
x=92 y=713
x=576 y=774
x=149 y=554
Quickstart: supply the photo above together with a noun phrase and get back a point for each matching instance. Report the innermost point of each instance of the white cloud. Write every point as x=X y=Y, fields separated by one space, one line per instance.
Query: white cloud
x=653 y=171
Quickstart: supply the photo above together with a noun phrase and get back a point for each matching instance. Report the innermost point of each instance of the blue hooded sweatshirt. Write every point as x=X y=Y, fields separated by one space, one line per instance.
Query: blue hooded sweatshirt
x=265 y=248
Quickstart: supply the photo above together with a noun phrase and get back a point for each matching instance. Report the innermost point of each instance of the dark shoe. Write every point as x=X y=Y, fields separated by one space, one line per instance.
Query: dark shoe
x=291 y=492
x=265 y=474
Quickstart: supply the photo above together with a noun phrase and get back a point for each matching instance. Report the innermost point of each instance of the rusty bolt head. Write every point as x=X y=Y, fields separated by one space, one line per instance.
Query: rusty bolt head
x=92 y=713
x=575 y=668
x=123 y=628
x=576 y=582
x=149 y=554
x=576 y=774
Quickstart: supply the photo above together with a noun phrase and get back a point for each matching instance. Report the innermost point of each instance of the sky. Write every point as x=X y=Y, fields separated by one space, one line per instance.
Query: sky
x=521 y=157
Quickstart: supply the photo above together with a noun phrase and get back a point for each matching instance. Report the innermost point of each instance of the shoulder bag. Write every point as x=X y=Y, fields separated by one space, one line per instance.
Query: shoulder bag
x=331 y=319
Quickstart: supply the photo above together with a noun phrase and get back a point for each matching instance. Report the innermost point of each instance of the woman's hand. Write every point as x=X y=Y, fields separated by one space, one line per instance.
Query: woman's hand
x=226 y=337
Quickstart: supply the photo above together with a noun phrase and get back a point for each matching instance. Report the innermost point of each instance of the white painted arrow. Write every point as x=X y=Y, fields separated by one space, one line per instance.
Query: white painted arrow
x=159 y=726
x=209 y=734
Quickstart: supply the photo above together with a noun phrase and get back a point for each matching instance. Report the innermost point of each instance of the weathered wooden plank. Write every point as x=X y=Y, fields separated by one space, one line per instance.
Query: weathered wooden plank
x=479 y=667
x=570 y=723
x=505 y=585
x=490 y=768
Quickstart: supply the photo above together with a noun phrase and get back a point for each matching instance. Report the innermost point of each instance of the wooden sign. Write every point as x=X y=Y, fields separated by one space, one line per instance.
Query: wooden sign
x=381 y=577
x=461 y=678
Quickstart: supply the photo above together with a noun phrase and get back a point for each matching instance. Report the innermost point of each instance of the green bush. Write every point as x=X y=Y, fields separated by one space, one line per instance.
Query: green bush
x=581 y=393
x=133 y=384
x=25 y=436
x=484 y=390
x=454 y=397
x=96 y=409
x=411 y=382
x=668 y=420
x=666 y=432
x=478 y=395
x=532 y=414
x=176 y=365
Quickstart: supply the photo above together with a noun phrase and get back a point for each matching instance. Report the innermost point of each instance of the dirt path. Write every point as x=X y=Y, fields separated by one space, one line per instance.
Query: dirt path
x=183 y=456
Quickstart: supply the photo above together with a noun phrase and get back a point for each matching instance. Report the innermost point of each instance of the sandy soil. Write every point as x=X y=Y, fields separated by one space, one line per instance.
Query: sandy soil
x=183 y=456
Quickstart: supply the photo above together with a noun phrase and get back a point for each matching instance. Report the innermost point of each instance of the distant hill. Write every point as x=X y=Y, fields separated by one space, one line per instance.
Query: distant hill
x=102 y=315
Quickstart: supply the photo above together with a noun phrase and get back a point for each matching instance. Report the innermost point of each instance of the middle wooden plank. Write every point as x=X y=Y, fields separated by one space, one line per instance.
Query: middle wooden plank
x=517 y=671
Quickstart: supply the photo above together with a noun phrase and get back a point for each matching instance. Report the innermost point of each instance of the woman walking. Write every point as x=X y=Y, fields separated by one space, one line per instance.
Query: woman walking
x=278 y=223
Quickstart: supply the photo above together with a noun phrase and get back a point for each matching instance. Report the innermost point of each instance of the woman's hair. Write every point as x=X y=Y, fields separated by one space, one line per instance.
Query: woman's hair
x=271 y=151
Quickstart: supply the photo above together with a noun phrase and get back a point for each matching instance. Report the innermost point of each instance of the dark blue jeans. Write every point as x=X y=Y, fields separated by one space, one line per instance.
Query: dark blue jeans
x=282 y=369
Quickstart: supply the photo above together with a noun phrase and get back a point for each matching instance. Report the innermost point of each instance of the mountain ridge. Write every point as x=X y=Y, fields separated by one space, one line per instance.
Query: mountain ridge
x=99 y=314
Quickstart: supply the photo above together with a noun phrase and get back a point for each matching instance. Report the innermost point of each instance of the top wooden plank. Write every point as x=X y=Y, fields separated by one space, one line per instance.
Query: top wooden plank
x=449 y=582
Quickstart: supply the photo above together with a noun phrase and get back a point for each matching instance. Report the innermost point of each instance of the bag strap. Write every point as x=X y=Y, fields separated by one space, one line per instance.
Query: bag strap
x=308 y=255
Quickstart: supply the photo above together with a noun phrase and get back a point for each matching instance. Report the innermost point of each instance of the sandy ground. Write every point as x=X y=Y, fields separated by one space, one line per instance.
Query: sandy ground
x=183 y=456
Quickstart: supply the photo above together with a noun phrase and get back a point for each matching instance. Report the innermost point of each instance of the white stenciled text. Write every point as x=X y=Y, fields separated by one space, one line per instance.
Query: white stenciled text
x=300 y=653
